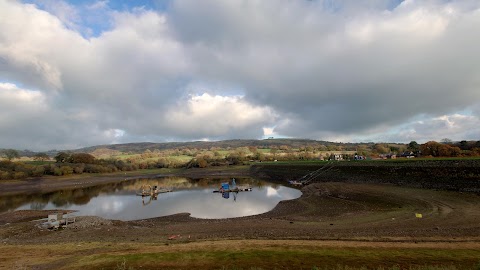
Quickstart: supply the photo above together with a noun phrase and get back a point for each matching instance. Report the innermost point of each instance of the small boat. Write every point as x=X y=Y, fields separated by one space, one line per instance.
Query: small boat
x=233 y=188
x=295 y=183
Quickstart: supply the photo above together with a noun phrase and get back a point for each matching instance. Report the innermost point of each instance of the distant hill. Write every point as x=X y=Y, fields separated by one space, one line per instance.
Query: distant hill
x=267 y=143
x=109 y=149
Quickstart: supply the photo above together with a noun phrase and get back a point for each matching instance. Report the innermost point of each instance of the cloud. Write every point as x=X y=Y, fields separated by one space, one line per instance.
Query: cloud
x=64 y=11
x=218 y=117
x=237 y=69
x=323 y=71
x=455 y=127
x=31 y=120
x=98 y=5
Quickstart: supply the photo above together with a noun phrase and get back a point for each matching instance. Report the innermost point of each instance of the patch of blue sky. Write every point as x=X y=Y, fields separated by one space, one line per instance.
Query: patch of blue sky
x=333 y=6
x=468 y=111
x=337 y=6
x=159 y=5
x=215 y=88
x=392 y=4
x=91 y=18
x=119 y=5
x=17 y=84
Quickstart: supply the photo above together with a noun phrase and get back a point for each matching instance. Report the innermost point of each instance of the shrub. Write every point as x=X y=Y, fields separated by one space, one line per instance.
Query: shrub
x=19 y=175
x=79 y=169
x=82 y=158
x=4 y=175
x=57 y=171
x=38 y=171
x=66 y=170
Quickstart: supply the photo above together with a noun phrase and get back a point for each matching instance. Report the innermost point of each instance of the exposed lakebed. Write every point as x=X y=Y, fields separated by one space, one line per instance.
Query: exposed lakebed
x=120 y=200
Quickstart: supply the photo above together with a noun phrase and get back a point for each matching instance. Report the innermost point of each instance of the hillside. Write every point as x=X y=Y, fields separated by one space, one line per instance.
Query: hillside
x=267 y=143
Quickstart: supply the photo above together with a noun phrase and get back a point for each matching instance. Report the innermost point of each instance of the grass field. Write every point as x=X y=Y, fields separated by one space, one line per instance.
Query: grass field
x=398 y=160
x=242 y=254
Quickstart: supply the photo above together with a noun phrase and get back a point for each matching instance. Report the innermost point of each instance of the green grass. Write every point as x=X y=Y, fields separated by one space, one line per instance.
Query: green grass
x=294 y=162
x=320 y=258
x=404 y=160
x=238 y=255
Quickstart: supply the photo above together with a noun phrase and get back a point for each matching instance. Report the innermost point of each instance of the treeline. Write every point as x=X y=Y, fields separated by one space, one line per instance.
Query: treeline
x=68 y=163
x=78 y=163
x=450 y=149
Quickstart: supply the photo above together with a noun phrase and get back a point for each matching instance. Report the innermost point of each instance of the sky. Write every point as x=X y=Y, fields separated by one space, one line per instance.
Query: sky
x=88 y=72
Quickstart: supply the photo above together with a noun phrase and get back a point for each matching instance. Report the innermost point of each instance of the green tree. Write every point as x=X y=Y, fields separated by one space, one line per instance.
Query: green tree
x=202 y=163
x=381 y=149
x=274 y=151
x=66 y=170
x=81 y=158
x=234 y=159
x=463 y=145
x=38 y=171
x=62 y=157
x=446 y=141
x=260 y=156
x=11 y=154
x=19 y=175
x=79 y=169
x=4 y=175
x=394 y=149
x=413 y=146
x=41 y=157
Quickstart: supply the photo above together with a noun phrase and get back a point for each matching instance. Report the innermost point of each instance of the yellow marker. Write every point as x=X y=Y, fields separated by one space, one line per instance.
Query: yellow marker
x=418 y=215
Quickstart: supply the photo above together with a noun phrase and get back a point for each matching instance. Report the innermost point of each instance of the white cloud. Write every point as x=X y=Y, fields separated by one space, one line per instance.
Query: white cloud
x=64 y=11
x=455 y=126
x=268 y=131
x=98 y=5
x=14 y=101
x=217 y=117
x=271 y=192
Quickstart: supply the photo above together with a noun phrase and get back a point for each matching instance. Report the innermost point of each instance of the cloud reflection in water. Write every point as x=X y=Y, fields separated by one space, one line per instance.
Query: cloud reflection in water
x=199 y=201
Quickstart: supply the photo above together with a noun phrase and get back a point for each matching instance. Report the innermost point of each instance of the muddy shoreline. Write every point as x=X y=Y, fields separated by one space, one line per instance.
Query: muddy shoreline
x=454 y=175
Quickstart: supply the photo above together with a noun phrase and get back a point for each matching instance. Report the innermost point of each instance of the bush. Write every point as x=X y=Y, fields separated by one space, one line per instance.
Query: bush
x=19 y=175
x=82 y=158
x=79 y=169
x=66 y=170
x=57 y=171
x=4 y=175
x=38 y=171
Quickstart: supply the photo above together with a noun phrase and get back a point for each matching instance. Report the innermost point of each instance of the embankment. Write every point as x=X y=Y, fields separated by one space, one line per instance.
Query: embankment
x=457 y=175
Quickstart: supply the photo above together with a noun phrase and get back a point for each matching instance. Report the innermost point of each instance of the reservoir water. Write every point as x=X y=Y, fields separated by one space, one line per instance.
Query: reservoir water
x=120 y=200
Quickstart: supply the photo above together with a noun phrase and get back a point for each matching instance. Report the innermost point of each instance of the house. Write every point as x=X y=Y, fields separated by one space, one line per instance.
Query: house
x=408 y=154
x=388 y=156
x=336 y=157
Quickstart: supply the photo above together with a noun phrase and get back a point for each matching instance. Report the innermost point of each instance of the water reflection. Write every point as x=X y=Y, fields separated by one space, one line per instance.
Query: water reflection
x=121 y=200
